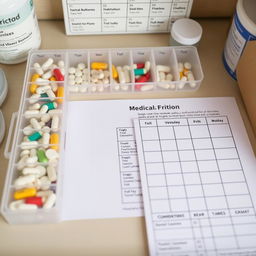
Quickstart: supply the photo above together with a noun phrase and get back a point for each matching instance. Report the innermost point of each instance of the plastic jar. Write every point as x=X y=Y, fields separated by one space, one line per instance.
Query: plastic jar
x=185 y=32
x=243 y=29
x=19 y=31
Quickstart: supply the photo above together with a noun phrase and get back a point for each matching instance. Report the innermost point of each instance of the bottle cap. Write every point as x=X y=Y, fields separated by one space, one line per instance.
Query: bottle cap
x=186 y=31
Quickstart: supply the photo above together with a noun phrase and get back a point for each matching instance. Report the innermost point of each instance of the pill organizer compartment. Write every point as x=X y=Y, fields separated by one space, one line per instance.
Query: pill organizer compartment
x=169 y=56
x=40 y=215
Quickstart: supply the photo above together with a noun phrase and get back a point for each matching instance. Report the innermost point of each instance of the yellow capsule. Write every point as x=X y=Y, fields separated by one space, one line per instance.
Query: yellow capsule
x=99 y=65
x=24 y=193
x=60 y=93
x=52 y=78
x=181 y=75
x=114 y=72
x=33 y=88
x=34 y=77
x=54 y=140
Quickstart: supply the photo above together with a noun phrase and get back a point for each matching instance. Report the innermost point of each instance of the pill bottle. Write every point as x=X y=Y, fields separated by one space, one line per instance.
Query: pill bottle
x=185 y=32
x=242 y=30
x=19 y=31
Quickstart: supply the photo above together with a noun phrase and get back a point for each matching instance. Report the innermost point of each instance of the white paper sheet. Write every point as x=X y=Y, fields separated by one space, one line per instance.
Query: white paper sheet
x=198 y=176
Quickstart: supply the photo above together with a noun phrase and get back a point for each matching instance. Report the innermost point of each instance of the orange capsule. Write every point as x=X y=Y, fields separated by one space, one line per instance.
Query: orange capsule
x=60 y=94
x=32 y=88
x=54 y=140
x=34 y=77
x=52 y=78
x=114 y=72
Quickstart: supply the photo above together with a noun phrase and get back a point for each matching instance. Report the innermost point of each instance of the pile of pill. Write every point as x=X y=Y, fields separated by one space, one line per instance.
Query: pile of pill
x=38 y=158
x=186 y=74
x=142 y=75
x=121 y=77
x=164 y=75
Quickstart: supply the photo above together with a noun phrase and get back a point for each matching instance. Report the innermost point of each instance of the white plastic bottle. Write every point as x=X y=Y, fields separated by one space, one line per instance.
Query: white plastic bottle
x=19 y=31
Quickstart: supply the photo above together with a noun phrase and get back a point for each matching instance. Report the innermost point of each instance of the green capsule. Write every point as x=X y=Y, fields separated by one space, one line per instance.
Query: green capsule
x=45 y=95
x=51 y=105
x=140 y=71
x=41 y=156
x=35 y=136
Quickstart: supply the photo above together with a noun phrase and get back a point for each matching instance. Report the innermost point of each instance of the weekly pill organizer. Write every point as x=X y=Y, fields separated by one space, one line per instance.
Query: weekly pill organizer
x=45 y=141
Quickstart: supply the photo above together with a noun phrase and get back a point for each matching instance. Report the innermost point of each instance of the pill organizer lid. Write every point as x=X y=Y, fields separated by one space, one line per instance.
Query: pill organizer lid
x=2 y=126
x=3 y=86
x=186 y=31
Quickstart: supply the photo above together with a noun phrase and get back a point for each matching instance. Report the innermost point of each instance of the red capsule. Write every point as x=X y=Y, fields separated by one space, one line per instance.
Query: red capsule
x=140 y=65
x=34 y=200
x=143 y=79
x=57 y=73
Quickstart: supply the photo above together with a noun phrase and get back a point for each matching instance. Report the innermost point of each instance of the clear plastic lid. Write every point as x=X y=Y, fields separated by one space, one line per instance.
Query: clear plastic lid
x=186 y=31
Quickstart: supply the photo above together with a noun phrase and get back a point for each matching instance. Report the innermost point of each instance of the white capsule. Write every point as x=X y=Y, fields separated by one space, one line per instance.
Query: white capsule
x=51 y=173
x=31 y=113
x=161 y=76
x=81 y=66
x=121 y=76
x=34 y=98
x=38 y=69
x=101 y=75
x=25 y=152
x=127 y=75
x=41 y=81
x=45 y=183
x=164 y=86
x=28 y=130
x=47 y=64
x=43 y=89
x=35 y=124
x=27 y=207
x=35 y=106
x=54 y=86
x=45 y=117
x=37 y=171
x=147 y=87
x=28 y=144
x=126 y=67
x=180 y=67
x=24 y=180
x=61 y=64
x=22 y=162
x=14 y=205
x=106 y=73
x=31 y=160
x=33 y=152
x=55 y=112
x=147 y=66
x=47 y=75
x=46 y=139
x=187 y=65
x=55 y=123
x=43 y=109
x=72 y=70
x=163 y=68
x=51 y=154
x=50 y=201
x=53 y=66
x=50 y=94
x=44 y=193
x=169 y=77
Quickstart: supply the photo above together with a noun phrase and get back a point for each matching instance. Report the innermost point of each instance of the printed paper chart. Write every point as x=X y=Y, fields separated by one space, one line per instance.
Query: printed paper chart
x=196 y=197
x=122 y=16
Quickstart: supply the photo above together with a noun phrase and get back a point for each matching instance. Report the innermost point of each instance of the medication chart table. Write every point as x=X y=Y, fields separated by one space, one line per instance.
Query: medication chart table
x=123 y=16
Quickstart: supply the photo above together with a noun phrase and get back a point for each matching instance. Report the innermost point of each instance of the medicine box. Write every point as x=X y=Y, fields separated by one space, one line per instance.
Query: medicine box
x=25 y=148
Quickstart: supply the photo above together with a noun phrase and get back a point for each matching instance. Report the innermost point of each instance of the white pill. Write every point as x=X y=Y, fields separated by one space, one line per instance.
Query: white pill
x=27 y=207
x=28 y=144
x=116 y=87
x=71 y=70
x=164 y=86
x=35 y=106
x=33 y=152
x=105 y=81
x=94 y=80
x=71 y=82
x=51 y=172
x=127 y=75
x=35 y=124
x=93 y=88
x=34 y=98
x=47 y=64
x=106 y=73
x=31 y=160
x=147 y=87
x=55 y=112
x=55 y=123
x=100 y=88
x=187 y=65
x=62 y=71
x=53 y=66
x=22 y=162
x=161 y=76
x=101 y=75
x=54 y=86
x=43 y=89
x=25 y=152
x=14 y=205
x=78 y=73
x=24 y=180
x=147 y=66
x=172 y=86
x=126 y=67
x=81 y=66
x=71 y=77
x=124 y=87
x=61 y=64
x=78 y=80
x=45 y=117
x=121 y=76
x=31 y=113
x=38 y=69
x=45 y=183
x=51 y=154
x=28 y=130
x=87 y=72
x=50 y=94
x=47 y=75
x=44 y=193
x=163 y=68
x=50 y=201
x=180 y=67
x=169 y=77
x=46 y=138
x=41 y=81
x=37 y=171
x=43 y=109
